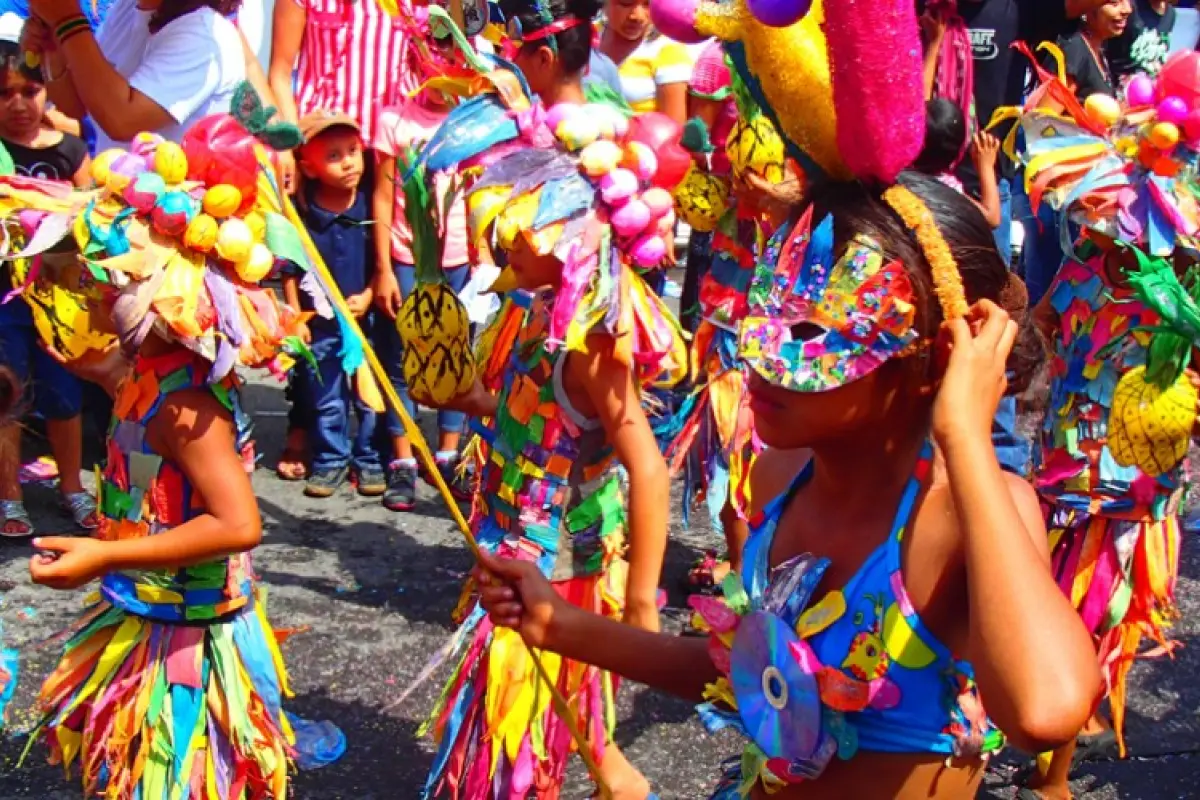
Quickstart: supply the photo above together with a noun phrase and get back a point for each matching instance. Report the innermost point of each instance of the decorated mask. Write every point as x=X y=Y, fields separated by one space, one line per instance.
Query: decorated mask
x=829 y=322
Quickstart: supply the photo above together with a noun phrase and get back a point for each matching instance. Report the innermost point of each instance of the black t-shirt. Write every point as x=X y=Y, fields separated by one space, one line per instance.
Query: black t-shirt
x=1144 y=45
x=994 y=26
x=57 y=163
x=1089 y=76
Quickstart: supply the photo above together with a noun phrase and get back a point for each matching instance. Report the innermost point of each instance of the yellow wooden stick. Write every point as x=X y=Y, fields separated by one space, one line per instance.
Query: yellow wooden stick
x=422 y=449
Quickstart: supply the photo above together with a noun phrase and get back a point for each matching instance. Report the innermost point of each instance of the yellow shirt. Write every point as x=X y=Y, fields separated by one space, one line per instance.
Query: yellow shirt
x=657 y=61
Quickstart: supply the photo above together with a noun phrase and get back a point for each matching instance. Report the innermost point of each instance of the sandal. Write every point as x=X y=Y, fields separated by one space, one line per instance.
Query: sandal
x=82 y=508
x=1100 y=746
x=291 y=466
x=14 y=520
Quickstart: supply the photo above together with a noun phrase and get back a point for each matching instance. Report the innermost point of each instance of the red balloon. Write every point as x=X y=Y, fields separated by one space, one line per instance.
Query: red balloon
x=1180 y=77
x=220 y=150
x=661 y=134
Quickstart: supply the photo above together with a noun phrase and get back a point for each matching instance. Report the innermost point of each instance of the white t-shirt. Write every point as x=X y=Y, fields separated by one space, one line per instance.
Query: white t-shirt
x=191 y=67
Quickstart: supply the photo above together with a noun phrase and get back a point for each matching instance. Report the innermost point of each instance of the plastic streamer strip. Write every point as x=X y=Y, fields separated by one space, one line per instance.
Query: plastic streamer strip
x=561 y=707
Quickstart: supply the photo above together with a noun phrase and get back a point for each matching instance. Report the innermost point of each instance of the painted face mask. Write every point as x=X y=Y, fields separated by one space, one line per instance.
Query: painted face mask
x=839 y=322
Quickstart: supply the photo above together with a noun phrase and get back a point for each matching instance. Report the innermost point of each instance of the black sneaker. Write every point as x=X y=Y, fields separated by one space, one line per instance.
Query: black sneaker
x=323 y=483
x=401 y=492
x=371 y=481
x=460 y=486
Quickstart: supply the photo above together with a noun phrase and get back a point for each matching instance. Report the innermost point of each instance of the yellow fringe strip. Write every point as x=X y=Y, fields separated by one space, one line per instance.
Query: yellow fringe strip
x=947 y=282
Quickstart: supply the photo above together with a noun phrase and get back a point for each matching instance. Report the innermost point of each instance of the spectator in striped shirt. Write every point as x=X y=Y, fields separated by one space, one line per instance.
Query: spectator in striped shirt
x=344 y=56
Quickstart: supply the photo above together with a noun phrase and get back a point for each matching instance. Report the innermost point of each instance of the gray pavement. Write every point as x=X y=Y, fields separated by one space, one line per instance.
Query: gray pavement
x=375 y=590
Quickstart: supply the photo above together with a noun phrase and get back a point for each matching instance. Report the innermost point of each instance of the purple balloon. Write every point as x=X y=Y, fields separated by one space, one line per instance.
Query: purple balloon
x=1172 y=109
x=779 y=13
x=1140 y=91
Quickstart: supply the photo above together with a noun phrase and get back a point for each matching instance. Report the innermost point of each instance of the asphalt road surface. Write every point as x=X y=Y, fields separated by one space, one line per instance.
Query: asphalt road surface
x=375 y=590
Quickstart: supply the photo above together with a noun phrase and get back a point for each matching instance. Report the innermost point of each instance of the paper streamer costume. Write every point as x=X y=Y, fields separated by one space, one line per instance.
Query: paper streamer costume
x=1112 y=462
x=172 y=681
x=591 y=188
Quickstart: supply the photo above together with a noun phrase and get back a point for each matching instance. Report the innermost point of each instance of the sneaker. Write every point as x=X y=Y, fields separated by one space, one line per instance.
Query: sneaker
x=460 y=485
x=371 y=481
x=401 y=492
x=324 y=482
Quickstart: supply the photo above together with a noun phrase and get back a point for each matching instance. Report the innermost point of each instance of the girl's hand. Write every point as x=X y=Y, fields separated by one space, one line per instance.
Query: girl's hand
x=517 y=596
x=285 y=167
x=933 y=27
x=387 y=293
x=974 y=380
x=359 y=303
x=36 y=37
x=68 y=563
x=985 y=150
x=53 y=11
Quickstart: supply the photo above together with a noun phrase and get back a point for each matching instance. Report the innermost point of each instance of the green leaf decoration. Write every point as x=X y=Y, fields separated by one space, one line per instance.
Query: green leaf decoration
x=1155 y=283
x=248 y=109
x=601 y=92
x=7 y=167
x=695 y=138
x=284 y=242
x=294 y=346
x=421 y=210
x=281 y=136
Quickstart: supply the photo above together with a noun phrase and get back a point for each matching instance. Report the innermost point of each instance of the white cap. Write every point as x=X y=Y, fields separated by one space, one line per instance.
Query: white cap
x=11 y=26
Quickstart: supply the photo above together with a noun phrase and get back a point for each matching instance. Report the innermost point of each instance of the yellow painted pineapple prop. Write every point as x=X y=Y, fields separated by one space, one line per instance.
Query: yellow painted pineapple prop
x=433 y=323
x=1155 y=405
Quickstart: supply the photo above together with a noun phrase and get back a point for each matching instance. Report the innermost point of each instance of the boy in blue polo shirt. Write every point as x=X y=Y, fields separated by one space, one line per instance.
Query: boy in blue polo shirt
x=337 y=213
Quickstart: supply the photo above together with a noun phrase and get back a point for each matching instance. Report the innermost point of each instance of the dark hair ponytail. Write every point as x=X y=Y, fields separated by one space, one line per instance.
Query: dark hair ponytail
x=171 y=10
x=574 y=45
x=857 y=209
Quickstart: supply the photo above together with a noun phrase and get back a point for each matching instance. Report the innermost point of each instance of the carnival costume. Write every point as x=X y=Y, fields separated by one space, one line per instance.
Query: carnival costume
x=577 y=182
x=171 y=683
x=807 y=682
x=1111 y=467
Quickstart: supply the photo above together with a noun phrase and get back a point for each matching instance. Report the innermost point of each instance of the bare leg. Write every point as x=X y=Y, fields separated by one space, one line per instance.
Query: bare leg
x=622 y=777
x=401 y=447
x=66 y=443
x=10 y=458
x=1053 y=783
x=737 y=531
x=448 y=441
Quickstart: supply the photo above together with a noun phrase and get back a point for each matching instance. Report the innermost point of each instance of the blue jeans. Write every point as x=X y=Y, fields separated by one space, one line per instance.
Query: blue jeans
x=1003 y=233
x=56 y=393
x=391 y=352
x=1042 y=254
x=329 y=390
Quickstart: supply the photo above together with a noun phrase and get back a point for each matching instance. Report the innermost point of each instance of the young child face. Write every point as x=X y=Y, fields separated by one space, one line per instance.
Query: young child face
x=335 y=158
x=22 y=104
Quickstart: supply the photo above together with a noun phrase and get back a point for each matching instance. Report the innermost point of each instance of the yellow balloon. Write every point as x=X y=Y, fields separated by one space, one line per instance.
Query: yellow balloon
x=1164 y=135
x=257 y=265
x=170 y=162
x=1103 y=108
x=234 y=240
x=102 y=164
x=201 y=233
x=257 y=224
x=222 y=201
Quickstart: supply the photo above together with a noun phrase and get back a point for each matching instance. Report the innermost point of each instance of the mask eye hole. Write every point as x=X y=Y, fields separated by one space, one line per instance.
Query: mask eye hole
x=806 y=332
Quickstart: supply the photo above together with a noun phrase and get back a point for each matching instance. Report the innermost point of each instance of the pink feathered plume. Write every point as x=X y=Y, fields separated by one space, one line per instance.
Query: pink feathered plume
x=875 y=62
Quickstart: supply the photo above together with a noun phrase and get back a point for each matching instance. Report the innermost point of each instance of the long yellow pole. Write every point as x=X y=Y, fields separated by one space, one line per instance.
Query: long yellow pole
x=422 y=449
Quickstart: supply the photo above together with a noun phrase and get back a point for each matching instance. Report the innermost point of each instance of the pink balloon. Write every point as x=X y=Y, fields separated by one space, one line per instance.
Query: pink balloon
x=1140 y=91
x=559 y=112
x=631 y=218
x=661 y=134
x=1172 y=109
x=1191 y=125
x=676 y=19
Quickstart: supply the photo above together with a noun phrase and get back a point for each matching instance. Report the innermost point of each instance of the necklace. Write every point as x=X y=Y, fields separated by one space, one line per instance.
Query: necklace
x=1100 y=59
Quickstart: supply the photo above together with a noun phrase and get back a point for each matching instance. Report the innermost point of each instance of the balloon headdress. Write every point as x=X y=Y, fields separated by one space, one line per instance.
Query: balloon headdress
x=842 y=83
x=178 y=236
x=586 y=184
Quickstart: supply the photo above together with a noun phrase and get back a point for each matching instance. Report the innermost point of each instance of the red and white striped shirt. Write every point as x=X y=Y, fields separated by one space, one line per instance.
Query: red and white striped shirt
x=351 y=61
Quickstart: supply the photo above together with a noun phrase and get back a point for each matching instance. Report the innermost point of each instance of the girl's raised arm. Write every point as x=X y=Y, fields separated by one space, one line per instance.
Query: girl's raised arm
x=610 y=387
x=1033 y=658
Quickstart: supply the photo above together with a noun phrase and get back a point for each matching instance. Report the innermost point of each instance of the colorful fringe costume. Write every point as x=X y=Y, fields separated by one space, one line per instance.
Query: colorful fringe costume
x=1111 y=470
x=172 y=681
x=1114 y=530
x=550 y=493
x=170 y=685
x=550 y=490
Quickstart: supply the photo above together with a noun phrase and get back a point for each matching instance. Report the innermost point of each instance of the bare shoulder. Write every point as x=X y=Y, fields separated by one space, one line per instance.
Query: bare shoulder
x=772 y=473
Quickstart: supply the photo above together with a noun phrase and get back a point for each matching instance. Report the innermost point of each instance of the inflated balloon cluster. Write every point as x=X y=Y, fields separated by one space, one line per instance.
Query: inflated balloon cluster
x=635 y=164
x=202 y=192
x=1159 y=113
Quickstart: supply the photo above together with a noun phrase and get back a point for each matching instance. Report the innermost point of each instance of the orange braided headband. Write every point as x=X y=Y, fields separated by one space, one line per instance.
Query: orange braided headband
x=947 y=282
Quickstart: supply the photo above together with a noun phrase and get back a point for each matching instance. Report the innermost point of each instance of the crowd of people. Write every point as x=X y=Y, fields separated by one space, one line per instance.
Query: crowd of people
x=906 y=584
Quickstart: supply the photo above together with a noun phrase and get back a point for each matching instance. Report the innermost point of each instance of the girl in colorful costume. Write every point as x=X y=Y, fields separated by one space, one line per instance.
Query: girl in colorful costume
x=171 y=683
x=560 y=385
x=1122 y=325
x=855 y=661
